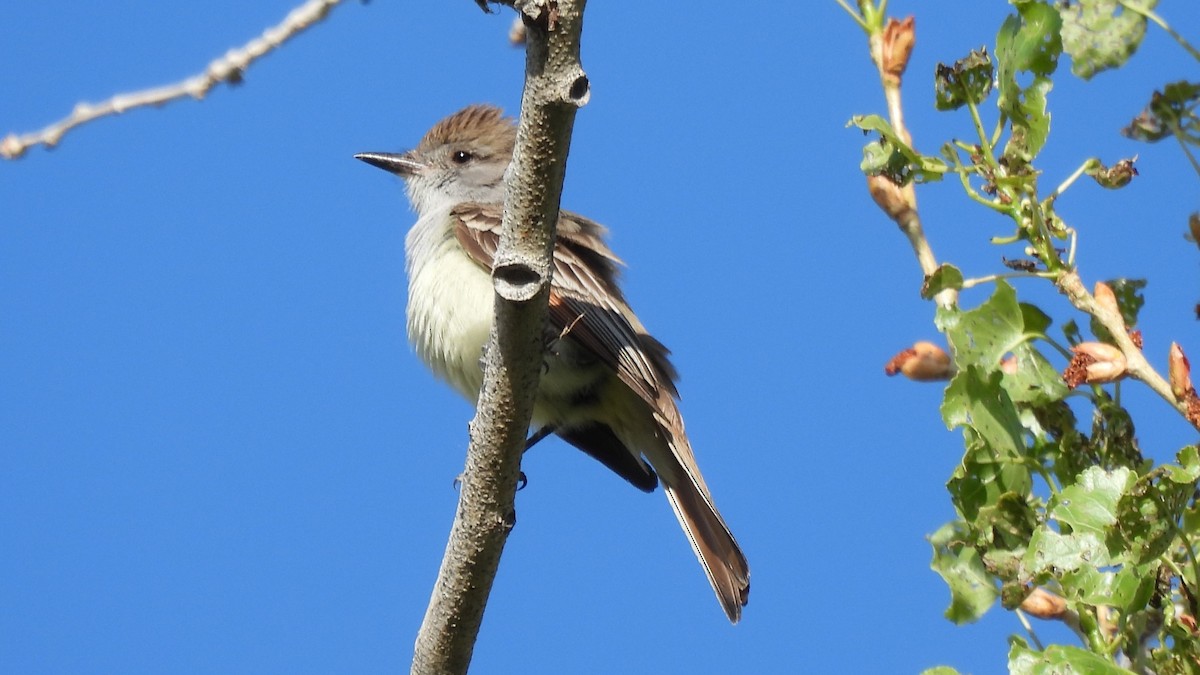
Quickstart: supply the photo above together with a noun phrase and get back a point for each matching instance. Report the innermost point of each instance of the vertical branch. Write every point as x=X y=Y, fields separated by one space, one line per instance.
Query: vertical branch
x=555 y=87
x=891 y=43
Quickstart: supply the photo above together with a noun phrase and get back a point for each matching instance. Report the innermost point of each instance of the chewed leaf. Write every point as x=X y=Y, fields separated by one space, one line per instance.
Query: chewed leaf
x=1100 y=34
x=969 y=80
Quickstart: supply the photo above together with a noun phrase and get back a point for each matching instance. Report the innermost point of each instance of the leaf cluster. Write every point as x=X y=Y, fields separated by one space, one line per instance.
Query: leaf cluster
x=1042 y=504
x=1052 y=492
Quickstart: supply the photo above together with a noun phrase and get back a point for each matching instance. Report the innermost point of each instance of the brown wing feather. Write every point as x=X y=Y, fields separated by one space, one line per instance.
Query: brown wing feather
x=584 y=297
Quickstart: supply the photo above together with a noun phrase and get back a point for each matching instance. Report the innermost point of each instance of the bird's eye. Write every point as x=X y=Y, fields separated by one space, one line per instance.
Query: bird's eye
x=462 y=157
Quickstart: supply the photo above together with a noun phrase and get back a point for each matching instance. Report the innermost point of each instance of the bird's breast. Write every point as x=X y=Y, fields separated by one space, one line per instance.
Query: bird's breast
x=449 y=307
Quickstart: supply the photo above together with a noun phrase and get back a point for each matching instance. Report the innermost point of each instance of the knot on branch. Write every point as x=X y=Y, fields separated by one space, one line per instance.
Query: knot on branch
x=516 y=281
x=571 y=88
x=580 y=90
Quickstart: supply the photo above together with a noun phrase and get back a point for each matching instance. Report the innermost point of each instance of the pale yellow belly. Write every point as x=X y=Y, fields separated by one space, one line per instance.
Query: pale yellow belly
x=450 y=316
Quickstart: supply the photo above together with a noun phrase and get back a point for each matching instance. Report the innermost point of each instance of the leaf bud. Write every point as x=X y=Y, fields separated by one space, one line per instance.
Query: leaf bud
x=1180 y=372
x=923 y=362
x=1106 y=298
x=1044 y=605
x=895 y=201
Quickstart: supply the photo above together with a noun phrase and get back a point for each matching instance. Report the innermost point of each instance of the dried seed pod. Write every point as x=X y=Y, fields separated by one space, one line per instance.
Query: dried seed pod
x=898 y=40
x=1094 y=363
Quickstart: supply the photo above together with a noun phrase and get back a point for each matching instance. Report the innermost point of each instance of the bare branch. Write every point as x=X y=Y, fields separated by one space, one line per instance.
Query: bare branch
x=228 y=68
x=555 y=86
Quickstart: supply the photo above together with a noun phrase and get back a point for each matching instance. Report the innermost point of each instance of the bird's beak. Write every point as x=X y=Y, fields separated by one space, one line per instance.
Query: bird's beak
x=401 y=164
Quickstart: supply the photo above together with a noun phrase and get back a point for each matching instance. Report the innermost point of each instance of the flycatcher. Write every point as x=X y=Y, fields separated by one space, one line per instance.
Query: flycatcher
x=607 y=386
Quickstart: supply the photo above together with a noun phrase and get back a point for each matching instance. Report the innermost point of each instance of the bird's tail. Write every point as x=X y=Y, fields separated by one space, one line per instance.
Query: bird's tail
x=711 y=540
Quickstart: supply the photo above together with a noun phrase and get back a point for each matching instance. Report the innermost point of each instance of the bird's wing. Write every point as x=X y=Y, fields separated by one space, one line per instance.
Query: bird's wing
x=585 y=302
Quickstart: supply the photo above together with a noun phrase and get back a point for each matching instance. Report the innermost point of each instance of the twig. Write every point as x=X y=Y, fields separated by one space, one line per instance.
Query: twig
x=853 y=14
x=1029 y=629
x=228 y=68
x=890 y=43
x=555 y=86
x=1070 y=180
x=970 y=283
x=1183 y=145
x=985 y=142
x=1135 y=362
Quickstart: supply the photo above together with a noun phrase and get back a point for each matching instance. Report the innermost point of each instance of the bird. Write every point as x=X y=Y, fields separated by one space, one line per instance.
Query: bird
x=607 y=386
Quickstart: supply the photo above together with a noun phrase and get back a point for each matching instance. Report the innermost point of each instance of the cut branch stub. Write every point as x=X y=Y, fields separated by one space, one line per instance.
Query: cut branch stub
x=517 y=282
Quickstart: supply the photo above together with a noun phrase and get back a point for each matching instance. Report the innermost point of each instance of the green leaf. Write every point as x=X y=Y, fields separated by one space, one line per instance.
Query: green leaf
x=1035 y=381
x=1114 y=439
x=945 y=276
x=1128 y=588
x=1101 y=34
x=1001 y=326
x=992 y=464
x=969 y=80
x=947 y=319
x=982 y=336
x=1021 y=659
x=1035 y=321
x=1071 y=332
x=1058 y=660
x=972 y=591
x=1028 y=42
x=1030 y=122
x=1006 y=566
x=1090 y=505
x=982 y=478
x=1188 y=470
x=1146 y=518
x=973 y=485
x=977 y=400
x=1191 y=520
x=890 y=156
x=1005 y=524
x=1050 y=551
x=874 y=123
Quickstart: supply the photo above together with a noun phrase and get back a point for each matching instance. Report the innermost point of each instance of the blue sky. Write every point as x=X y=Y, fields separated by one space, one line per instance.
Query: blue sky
x=219 y=454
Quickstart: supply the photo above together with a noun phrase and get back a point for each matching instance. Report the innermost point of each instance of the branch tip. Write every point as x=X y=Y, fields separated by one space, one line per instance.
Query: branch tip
x=229 y=68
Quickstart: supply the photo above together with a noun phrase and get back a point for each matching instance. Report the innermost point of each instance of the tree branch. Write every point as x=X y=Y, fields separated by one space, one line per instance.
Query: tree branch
x=555 y=86
x=891 y=44
x=228 y=68
x=1136 y=364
